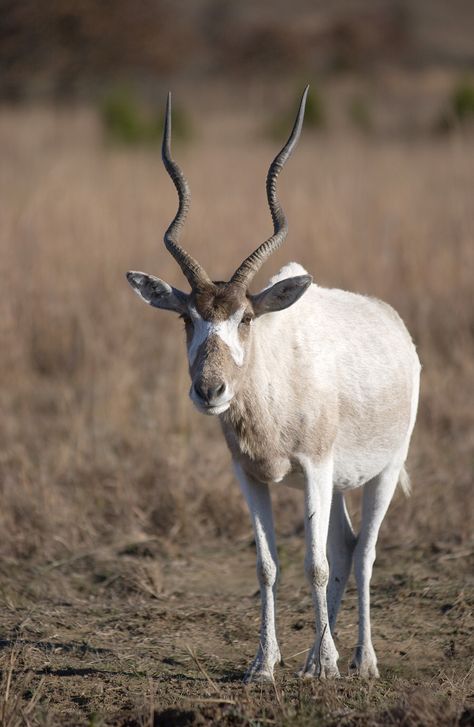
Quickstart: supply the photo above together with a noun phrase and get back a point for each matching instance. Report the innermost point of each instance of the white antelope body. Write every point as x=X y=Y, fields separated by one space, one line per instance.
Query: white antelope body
x=314 y=388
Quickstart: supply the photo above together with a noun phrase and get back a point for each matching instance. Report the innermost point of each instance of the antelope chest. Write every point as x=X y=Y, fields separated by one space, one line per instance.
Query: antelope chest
x=270 y=471
x=257 y=447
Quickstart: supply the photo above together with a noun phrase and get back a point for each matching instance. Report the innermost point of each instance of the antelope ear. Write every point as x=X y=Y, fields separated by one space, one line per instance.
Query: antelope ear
x=281 y=295
x=156 y=292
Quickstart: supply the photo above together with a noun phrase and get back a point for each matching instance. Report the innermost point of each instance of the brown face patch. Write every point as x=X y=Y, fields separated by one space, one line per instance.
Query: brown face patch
x=220 y=302
x=211 y=364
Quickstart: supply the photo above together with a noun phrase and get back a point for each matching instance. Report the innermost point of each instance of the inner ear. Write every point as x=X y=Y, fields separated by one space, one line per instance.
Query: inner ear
x=157 y=293
x=281 y=295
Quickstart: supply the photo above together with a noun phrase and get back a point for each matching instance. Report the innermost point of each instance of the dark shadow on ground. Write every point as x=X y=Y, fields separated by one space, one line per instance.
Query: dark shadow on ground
x=71 y=646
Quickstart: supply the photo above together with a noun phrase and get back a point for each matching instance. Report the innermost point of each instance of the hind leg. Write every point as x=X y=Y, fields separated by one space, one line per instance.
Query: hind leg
x=376 y=499
x=341 y=544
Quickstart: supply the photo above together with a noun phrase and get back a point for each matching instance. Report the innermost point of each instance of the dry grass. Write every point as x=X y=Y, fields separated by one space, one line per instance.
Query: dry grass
x=103 y=459
x=98 y=434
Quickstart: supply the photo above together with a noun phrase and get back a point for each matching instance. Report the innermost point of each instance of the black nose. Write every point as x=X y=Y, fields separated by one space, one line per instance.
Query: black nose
x=209 y=393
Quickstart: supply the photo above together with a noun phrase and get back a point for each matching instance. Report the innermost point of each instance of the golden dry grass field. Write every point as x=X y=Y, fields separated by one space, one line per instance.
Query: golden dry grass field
x=127 y=581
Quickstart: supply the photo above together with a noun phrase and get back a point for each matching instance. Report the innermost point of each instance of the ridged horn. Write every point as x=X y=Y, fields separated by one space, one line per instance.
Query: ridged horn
x=252 y=264
x=193 y=271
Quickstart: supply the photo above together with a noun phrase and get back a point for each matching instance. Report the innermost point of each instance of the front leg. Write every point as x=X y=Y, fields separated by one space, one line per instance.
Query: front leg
x=322 y=659
x=258 y=500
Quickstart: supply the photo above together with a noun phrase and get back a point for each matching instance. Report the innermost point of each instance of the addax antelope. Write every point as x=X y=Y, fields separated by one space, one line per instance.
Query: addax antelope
x=314 y=388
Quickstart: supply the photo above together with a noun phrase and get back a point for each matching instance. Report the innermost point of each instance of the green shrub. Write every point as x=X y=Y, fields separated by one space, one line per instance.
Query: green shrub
x=462 y=100
x=460 y=108
x=314 y=118
x=360 y=115
x=127 y=121
x=315 y=115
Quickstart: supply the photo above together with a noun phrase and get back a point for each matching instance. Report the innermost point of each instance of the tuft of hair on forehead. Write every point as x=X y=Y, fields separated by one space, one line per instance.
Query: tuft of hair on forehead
x=221 y=302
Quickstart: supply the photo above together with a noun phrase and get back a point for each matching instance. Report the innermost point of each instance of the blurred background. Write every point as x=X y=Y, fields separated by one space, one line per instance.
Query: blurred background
x=100 y=442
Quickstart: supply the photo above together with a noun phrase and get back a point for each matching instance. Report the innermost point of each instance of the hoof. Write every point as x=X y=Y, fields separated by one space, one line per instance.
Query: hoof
x=364 y=664
x=262 y=676
x=321 y=663
x=366 y=670
x=261 y=670
x=325 y=672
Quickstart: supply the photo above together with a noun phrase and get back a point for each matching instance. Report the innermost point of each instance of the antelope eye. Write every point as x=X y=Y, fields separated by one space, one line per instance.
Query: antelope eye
x=246 y=320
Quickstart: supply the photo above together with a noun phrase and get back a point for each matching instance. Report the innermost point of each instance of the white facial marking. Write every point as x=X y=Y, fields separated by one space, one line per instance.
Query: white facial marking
x=228 y=332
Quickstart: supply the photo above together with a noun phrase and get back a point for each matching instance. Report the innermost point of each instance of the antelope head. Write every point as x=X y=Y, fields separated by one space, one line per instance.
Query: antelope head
x=219 y=316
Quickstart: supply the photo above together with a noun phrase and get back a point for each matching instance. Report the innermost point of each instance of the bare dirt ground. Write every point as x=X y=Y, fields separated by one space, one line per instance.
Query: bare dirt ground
x=138 y=634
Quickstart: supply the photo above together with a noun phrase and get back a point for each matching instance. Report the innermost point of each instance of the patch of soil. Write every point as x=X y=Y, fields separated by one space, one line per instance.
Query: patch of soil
x=169 y=645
